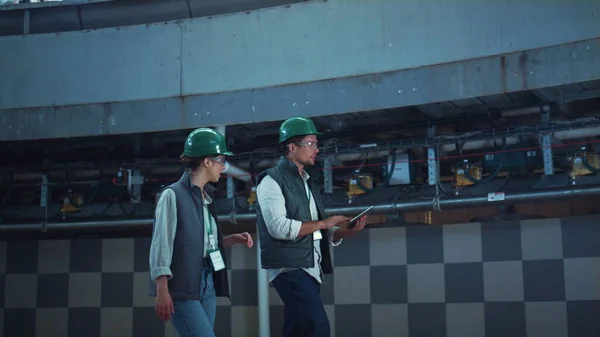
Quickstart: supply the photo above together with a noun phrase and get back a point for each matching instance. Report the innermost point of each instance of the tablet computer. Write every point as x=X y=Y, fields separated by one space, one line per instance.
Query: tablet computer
x=353 y=221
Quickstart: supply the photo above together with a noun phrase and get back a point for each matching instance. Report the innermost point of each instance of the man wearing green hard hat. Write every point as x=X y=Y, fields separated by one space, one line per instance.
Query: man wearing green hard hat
x=295 y=231
x=185 y=233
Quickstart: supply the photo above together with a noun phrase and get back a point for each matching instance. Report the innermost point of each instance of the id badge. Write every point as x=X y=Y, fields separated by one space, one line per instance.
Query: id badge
x=217 y=260
x=317 y=235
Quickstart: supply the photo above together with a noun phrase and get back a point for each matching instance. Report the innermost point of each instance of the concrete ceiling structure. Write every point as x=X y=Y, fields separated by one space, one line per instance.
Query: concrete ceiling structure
x=74 y=15
x=316 y=58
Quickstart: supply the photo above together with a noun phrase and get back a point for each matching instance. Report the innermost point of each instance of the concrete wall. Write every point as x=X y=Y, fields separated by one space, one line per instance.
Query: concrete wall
x=277 y=46
x=531 y=278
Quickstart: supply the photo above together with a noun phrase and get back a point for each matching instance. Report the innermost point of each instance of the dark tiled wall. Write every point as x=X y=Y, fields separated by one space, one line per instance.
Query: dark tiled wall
x=531 y=278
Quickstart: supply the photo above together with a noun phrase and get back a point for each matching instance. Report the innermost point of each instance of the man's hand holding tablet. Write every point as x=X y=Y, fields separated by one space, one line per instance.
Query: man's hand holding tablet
x=362 y=217
x=355 y=225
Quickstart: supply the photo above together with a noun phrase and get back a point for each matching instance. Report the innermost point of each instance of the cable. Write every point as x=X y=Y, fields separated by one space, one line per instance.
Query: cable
x=587 y=165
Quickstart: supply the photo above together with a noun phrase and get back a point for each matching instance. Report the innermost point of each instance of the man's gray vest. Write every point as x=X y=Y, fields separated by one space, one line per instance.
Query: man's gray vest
x=298 y=253
x=188 y=246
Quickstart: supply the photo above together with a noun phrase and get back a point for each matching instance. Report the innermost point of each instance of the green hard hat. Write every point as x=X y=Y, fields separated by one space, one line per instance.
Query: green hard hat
x=297 y=126
x=204 y=142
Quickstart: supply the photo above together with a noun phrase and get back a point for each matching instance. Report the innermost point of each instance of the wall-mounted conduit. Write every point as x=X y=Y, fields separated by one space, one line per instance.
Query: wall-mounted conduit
x=437 y=203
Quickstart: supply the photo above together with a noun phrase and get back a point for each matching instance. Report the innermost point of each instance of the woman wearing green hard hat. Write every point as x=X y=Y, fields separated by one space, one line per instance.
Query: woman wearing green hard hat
x=187 y=265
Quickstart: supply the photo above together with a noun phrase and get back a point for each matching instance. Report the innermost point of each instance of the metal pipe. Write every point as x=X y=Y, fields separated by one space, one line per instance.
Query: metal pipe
x=591 y=131
x=524 y=111
x=232 y=170
x=222 y=129
x=236 y=172
x=436 y=204
x=263 y=294
x=111 y=224
x=444 y=203
x=262 y=277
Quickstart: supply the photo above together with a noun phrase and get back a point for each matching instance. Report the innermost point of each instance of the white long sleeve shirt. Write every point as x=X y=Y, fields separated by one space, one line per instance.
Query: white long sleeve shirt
x=272 y=204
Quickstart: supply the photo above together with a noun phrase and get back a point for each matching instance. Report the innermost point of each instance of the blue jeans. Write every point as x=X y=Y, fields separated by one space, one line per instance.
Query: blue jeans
x=303 y=311
x=193 y=318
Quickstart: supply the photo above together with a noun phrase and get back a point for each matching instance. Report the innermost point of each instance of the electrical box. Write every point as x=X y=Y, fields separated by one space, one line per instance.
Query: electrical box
x=460 y=180
x=402 y=174
x=353 y=189
x=512 y=160
x=577 y=168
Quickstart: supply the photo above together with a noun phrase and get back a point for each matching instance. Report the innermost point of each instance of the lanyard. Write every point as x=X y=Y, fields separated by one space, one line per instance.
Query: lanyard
x=308 y=191
x=208 y=225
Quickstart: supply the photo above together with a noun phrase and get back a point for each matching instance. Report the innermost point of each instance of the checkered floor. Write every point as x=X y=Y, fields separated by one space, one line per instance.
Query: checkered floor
x=531 y=278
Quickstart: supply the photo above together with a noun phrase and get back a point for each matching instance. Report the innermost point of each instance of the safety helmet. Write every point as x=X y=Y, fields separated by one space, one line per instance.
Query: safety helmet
x=297 y=126
x=204 y=142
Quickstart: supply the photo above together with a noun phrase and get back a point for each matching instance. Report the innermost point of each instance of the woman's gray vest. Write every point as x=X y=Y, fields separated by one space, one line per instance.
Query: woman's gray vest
x=188 y=247
x=298 y=253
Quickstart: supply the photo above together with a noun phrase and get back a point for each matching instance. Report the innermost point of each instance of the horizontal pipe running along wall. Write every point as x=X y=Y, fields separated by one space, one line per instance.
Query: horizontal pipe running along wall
x=435 y=204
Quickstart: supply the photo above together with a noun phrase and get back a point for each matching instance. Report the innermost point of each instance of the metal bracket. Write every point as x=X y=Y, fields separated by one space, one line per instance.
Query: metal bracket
x=328 y=175
x=135 y=177
x=232 y=218
x=44 y=191
x=547 y=149
x=432 y=164
x=230 y=188
x=436 y=204
x=26 y=21
x=134 y=185
x=546 y=143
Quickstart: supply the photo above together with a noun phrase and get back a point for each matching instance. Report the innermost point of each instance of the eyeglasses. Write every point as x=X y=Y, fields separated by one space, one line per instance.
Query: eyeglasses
x=220 y=160
x=312 y=145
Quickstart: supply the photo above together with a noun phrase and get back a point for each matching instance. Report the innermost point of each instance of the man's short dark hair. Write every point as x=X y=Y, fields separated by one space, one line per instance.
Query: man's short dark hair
x=284 y=146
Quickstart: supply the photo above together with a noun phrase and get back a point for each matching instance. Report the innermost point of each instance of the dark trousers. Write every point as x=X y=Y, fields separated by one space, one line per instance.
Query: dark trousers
x=304 y=314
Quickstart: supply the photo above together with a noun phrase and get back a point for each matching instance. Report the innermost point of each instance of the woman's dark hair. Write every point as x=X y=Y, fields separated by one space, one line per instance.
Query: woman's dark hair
x=192 y=163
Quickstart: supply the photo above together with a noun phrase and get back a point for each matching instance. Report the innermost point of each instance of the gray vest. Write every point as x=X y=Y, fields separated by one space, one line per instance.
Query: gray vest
x=300 y=252
x=188 y=245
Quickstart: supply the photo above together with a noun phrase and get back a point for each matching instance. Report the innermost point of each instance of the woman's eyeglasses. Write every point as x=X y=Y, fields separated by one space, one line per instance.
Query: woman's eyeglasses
x=220 y=160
